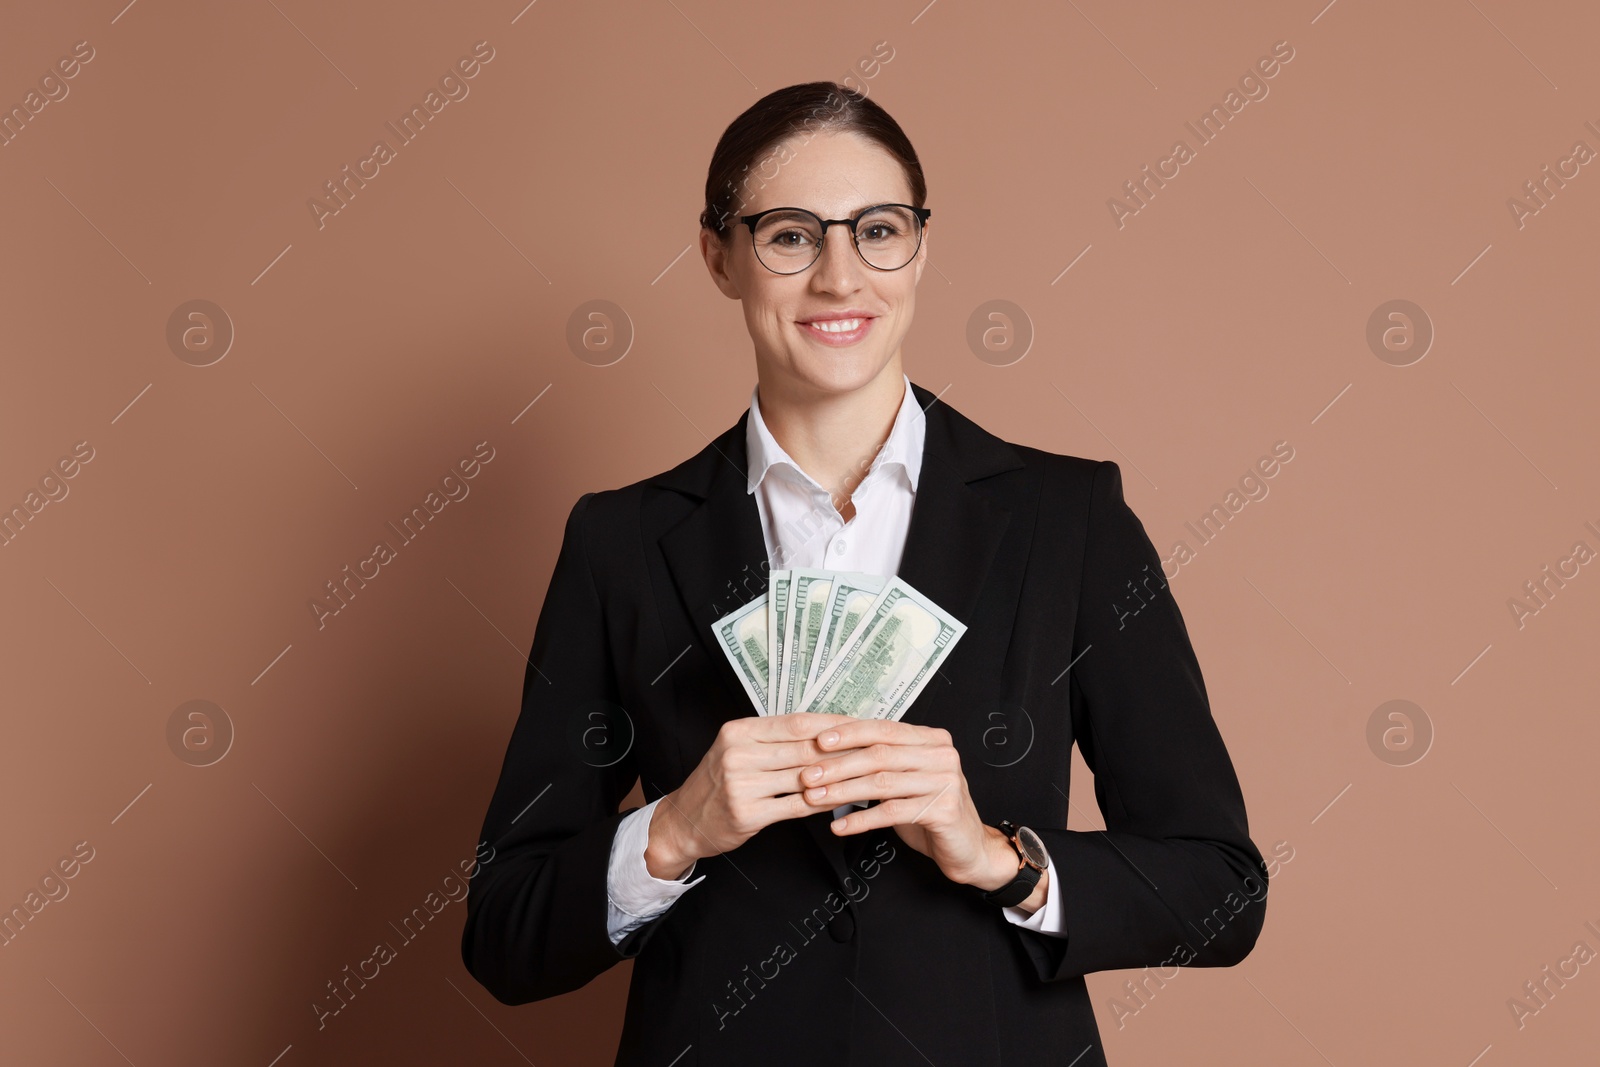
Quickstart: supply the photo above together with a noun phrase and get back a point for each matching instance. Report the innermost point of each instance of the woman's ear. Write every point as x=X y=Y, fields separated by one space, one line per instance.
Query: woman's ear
x=717 y=255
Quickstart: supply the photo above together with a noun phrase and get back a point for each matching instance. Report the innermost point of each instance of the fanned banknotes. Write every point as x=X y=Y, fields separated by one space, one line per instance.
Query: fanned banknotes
x=843 y=642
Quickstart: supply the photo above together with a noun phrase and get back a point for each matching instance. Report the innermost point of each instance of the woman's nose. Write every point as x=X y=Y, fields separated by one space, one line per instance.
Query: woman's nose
x=838 y=265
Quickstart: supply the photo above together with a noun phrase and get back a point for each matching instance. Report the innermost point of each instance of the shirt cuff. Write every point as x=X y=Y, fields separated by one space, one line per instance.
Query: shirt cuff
x=1047 y=919
x=634 y=896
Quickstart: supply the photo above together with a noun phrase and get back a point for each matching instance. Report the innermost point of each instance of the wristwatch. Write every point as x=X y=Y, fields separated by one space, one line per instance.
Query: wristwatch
x=1032 y=859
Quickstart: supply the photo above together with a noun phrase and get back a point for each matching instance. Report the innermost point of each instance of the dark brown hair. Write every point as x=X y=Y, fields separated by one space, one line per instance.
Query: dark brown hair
x=806 y=109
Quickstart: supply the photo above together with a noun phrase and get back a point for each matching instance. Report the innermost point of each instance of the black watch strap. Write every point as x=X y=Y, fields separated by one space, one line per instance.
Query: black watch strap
x=1015 y=891
x=1021 y=887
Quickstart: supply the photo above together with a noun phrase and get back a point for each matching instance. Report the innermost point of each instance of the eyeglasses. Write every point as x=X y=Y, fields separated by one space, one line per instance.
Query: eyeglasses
x=787 y=240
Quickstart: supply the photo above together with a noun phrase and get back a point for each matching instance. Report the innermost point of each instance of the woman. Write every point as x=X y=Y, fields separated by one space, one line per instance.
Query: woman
x=811 y=887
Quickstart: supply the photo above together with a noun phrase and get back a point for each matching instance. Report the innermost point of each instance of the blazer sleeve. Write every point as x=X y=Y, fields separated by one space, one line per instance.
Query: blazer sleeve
x=1174 y=878
x=536 y=908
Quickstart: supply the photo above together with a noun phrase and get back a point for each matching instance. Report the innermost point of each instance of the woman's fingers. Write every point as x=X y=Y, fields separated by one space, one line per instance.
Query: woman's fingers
x=929 y=809
x=760 y=760
x=781 y=755
x=752 y=787
x=859 y=733
x=880 y=786
x=774 y=742
x=922 y=755
x=765 y=797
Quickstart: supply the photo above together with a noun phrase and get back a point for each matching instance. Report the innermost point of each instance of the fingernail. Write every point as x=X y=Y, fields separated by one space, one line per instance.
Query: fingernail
x=813 y=773
x=837 y=824
x=829 y=738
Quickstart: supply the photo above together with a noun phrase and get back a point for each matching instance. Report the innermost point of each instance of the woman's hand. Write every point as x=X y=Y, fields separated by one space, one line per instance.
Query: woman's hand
x=914 y=772
x=748 y=779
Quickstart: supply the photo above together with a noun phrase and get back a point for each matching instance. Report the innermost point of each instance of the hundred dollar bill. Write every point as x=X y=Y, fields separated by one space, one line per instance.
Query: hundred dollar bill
x=852 y=595
x=809 y=592
x=742 y=636
x=777 y=629
x=889 y=658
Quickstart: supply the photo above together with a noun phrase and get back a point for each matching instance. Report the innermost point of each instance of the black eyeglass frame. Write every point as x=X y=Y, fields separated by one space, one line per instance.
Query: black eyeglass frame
x=921 y=213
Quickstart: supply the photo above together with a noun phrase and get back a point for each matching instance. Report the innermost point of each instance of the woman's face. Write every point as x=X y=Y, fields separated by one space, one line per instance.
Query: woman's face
x=834 y=175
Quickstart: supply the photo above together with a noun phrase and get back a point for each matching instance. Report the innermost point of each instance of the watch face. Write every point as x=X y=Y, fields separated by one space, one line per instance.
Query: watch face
x=1032 y=847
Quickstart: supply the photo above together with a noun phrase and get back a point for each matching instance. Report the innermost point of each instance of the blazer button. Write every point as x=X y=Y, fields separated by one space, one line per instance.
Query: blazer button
x=842 y=927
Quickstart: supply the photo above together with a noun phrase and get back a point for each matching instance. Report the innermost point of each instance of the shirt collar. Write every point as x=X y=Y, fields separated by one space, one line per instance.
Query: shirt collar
x=903 y=447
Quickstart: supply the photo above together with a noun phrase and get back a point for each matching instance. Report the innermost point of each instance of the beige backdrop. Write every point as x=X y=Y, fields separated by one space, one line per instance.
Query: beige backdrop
x=230 y=458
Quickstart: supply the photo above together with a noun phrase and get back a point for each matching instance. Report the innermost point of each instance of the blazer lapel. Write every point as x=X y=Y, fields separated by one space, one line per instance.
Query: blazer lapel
x=717 y=555
x=718 y=560
x=955 y=530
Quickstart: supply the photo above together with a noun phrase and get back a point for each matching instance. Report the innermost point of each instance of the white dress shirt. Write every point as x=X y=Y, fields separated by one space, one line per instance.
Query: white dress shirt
x=802 y=528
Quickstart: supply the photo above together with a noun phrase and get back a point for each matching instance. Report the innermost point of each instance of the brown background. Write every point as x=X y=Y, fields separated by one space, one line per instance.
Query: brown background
x=373 y=352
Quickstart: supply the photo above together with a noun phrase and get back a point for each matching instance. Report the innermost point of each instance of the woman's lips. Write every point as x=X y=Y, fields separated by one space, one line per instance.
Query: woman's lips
x=835 y=335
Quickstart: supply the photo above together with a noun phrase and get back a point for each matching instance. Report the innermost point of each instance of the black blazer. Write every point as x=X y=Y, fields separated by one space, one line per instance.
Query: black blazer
x=801 y=947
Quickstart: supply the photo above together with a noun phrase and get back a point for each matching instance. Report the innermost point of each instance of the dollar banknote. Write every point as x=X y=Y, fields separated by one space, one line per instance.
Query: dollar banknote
x=742 y=636
x=777 y=629
x=843 y=642
x=808 y=600
x=888 y=658
x=852 y=595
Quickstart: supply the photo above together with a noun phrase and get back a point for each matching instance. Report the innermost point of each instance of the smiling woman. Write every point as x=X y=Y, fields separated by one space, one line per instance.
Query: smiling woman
x=825 y=258
x=975 y=941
